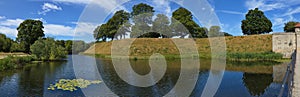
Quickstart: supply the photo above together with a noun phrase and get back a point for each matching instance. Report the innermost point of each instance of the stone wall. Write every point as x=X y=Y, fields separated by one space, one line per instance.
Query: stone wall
x=284 y=43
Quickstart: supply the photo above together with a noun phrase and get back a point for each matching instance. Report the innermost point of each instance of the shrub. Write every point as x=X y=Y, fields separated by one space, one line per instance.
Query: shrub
x=47 y=49
x=12 y=62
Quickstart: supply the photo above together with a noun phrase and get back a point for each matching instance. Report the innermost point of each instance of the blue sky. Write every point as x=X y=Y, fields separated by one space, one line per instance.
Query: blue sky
x=63 y=18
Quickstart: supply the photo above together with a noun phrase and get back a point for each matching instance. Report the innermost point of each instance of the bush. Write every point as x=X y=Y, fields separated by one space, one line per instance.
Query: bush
x=11 y=62
x=255 y=56
x=48 y=50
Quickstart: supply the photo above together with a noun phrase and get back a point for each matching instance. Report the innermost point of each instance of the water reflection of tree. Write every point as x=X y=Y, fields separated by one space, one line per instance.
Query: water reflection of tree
x=122 y=88
x=32 y=78
x=253 y=63
x=257 y=83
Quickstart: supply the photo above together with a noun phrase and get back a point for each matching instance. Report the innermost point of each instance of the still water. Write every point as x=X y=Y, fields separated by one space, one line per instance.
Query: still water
x=241 y=79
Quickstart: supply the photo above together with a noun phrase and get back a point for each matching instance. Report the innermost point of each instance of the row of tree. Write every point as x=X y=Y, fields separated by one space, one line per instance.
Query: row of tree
x=140 y=24
x=30 y=39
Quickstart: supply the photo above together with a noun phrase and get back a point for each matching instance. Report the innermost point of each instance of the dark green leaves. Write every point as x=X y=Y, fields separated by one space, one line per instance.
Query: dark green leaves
x=256 y=23
x=29 y=31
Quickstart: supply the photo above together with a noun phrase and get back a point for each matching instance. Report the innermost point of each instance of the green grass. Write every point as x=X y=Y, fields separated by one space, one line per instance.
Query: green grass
x=246 y=47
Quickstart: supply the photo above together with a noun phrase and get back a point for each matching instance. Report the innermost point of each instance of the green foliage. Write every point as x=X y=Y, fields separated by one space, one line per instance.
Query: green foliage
x=11 y=62
x=214 y=31
x=68 y=46
x=47 y=49
x=110 y=29
x=142 y=17
x=162 y=25
x=79 y=46
x=17 y=47
x=226 y=34
x=29 y=31
x=254 y=56
x=289 y=26
x=5 y=43
x=182 y=23
x=256 y=23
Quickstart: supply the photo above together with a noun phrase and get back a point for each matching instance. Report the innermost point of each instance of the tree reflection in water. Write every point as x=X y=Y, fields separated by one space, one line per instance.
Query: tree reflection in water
x=257 y=83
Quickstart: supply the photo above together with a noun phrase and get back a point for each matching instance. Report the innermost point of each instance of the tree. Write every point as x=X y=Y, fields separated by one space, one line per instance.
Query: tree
x=256 y=23
x=29 y=31
x=47 y=49
x=290 y=26
x=79 y=46
x=110 y=29
x=162 y=25
x=183 y=24
x=68 y=46
x=226 y=34
x=142 y=17
x=214 y=31
x=17 y=47
x=5 y=43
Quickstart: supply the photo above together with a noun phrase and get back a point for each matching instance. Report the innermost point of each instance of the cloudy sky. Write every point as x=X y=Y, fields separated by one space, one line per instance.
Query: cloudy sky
x=66 y=19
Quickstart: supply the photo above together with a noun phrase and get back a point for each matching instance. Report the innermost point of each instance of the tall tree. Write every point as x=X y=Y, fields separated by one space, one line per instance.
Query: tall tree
x=29 y=31
x=110 y=29
x=162 y=25
x=142 y=17
x=290 y=26
x=183 y=24
x=256 y=23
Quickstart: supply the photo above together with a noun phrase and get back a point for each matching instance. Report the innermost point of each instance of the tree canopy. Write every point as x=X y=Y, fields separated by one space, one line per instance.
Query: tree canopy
x=48 y=49
x=256 y=23
x=142 y=18
x=183 y=24
x=290 y=26
x=141 y=24
x=5 y=43
x=109 y=30
x=162 y=25
x=29 y=31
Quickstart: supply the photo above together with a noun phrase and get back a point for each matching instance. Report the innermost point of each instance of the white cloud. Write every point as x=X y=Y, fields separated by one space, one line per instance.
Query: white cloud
x=107 y=5
x=264 y=5
x=2 y=17
x=58 y=30
x=47 y=7
x=9 y=26
x=292 y=11
x=163 y=6
x=11 y=22
x=231 y=12
x=8 y=31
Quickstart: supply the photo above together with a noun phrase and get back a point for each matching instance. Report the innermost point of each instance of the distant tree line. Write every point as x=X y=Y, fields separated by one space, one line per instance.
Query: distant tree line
x=31 y=40
x=140 y=24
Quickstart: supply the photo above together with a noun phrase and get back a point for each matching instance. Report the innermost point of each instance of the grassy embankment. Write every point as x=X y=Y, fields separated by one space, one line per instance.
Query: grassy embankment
x=13 y=60
x=252 y=47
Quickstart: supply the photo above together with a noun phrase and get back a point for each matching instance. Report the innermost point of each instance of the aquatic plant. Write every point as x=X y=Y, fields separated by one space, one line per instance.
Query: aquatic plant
x=72 y=85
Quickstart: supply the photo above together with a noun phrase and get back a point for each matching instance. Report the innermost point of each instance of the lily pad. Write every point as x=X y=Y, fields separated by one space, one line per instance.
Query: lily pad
x=72 y=85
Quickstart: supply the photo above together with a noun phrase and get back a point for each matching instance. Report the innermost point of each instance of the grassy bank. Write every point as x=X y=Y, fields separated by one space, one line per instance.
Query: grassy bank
x=238 y=47
x=12 y=62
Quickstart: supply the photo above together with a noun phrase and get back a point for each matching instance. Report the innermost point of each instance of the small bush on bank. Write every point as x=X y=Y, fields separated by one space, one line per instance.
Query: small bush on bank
x=12 y=62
